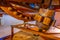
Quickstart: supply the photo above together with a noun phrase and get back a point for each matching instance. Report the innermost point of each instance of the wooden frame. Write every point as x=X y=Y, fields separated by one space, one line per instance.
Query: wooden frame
x=34 y=32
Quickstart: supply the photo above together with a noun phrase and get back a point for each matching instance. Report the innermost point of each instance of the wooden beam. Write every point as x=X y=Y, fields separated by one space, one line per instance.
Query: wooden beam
x=14 y=14
x=28 y=1
x=37 y=33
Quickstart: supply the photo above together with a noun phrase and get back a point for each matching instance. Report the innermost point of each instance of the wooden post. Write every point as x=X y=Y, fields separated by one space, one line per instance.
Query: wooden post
x=12 y=32
x=0 y=17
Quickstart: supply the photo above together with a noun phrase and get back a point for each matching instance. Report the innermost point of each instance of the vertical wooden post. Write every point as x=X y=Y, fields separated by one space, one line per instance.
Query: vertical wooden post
x=12 y=32
x=1 y=14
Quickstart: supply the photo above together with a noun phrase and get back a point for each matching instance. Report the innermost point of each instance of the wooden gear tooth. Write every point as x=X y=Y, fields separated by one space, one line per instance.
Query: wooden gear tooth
x=35 y=28
x=46 y=21
x=20 y=15
x=19 y=11
x=29 y=18
x=14 y=12
x=49 y=13
x=43 y=30
x=38 y=18
x=12 y=4
x=46 y=12
x=22 y=25
x=9 y=8
x=25 y=18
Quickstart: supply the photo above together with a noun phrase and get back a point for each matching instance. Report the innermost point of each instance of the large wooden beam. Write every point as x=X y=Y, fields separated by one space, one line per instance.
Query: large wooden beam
x=28 y=1
x=14 y=13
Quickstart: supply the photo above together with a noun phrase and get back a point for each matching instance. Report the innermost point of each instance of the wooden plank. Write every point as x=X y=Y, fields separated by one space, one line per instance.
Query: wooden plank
x=9 y=12
x=28 y=1
x=13 y=13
